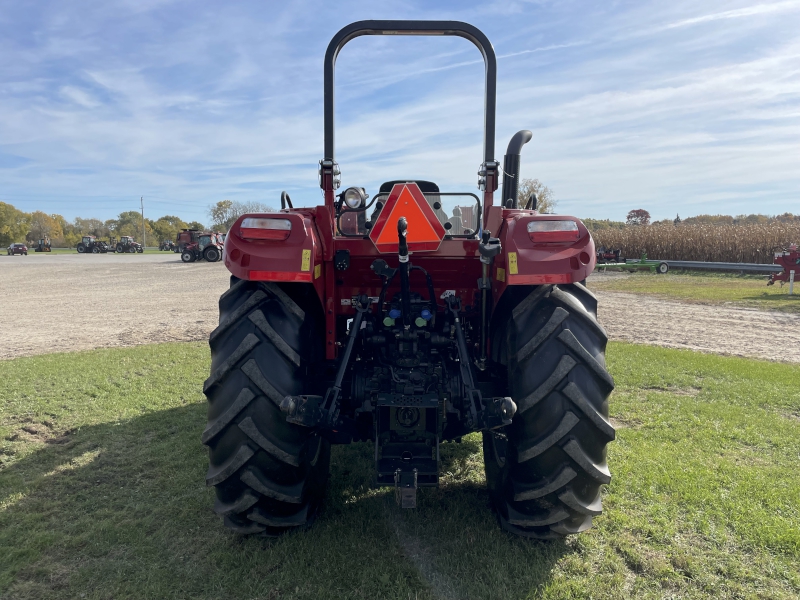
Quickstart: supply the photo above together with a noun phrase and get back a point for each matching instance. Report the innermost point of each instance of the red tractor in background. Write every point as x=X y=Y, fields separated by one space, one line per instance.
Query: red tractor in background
x=790 y=261
x=208 y=246
x=126 y=244
x=391 y=323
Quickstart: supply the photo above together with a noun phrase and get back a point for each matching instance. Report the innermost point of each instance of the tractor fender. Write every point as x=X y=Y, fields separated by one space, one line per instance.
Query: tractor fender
x=526 y=260
x=298 y=258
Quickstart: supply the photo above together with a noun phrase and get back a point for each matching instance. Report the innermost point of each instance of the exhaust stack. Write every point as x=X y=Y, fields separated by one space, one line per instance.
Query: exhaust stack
x=511 y=167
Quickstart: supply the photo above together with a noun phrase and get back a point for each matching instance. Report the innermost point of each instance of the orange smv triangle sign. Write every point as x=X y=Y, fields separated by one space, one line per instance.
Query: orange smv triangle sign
x=425 y=232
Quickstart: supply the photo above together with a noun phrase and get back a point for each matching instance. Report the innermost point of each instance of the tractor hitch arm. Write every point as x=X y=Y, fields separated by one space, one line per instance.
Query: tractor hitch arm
x=316 y=411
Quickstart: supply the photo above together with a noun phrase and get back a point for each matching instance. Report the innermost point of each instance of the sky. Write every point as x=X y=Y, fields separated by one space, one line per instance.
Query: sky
x=675 y=107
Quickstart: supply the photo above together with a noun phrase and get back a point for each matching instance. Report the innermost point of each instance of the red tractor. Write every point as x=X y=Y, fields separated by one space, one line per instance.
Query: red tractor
x=127 y=244
x=208 y=246
x=404 y=322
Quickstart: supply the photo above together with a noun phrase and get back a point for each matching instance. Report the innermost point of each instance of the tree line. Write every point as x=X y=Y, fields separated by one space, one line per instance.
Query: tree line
x=18 y=226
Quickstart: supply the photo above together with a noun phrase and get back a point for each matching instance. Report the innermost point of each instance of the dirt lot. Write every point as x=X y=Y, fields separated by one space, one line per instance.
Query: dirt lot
x=60 y=303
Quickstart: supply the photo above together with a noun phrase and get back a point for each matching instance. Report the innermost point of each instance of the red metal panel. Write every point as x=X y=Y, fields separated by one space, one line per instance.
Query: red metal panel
x=278 y=276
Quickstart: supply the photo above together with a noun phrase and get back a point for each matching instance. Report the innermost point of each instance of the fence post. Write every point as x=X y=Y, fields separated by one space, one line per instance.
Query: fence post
x=791 y=282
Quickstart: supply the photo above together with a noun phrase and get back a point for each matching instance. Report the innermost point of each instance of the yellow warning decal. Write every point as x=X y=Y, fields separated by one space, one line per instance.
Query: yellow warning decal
x=501 y=274
x=512 y=263
x=306 y=264
x=317 y=271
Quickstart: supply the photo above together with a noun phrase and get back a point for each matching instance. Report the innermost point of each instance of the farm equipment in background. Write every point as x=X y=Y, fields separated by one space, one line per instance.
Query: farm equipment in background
x=208 y=247
x=404 y=332
x=631 y=265
x=126 y=244
x=90 y=244
x=167 y=245
x=790 y=261
x=43 y=245
x=608 y=256
x=186 y=237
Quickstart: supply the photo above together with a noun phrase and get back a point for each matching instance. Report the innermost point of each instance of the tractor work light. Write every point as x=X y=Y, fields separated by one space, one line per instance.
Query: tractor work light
x=355 y=197
x=253 y=228
x=553 y=231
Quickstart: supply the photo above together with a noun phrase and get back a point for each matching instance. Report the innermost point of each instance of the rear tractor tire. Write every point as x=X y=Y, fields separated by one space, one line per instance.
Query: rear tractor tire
x=545 y=470
x=211 y=254
x=270 y=475
x=81 y=248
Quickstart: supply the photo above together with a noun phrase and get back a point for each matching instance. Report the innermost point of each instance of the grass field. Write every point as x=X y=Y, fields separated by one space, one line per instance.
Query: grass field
x=747 y=290
x=102 y=494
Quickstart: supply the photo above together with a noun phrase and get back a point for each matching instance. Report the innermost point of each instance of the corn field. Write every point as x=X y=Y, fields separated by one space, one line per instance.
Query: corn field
x=711 y=243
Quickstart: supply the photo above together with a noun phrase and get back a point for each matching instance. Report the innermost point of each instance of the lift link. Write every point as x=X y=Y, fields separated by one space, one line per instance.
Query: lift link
x=488 y=249
x=494 y=412
x=316 y=411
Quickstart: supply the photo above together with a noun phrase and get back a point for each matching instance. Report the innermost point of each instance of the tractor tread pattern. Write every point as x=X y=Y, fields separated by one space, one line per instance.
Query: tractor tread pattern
x=285 y=493
x=242 y=503
x=242 y=400
x=545 y=470
x=522 y=492
x=253 y=371
x=251 y=429
x=220 y=474
x=248 y=343
x=596 y=471
x=258 y=319
x=593 y=508
x=567 y=423
x=270 y=475
x=555 y=320
x=561 y=371
x=296 y=520
x=234 y=317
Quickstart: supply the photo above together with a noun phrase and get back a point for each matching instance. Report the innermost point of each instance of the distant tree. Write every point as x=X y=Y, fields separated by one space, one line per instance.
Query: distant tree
x=167 y=227
x=677 y=219
x=42 y=224
x=14 y=224
x=598 y=224
x=225 y=212
x=196 y=225
x=638 y=217
x=546 y=202
x=92 y=227
x=130 y=223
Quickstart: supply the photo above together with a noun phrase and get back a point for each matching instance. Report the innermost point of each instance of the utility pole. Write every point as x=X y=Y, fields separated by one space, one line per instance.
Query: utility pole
x=144 y=239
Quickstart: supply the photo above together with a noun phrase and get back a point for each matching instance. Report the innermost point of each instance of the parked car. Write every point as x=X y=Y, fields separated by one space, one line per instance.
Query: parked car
x=17 y=249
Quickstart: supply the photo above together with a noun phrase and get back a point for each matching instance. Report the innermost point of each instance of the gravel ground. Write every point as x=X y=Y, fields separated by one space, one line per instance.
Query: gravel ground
x=62 y=303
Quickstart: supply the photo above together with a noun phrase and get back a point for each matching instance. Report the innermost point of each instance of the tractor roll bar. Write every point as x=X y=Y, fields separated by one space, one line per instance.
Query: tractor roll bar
x=451 y=28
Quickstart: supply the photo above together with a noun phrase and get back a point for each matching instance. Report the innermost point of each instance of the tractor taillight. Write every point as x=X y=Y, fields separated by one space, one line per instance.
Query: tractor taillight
x=553 y=231
x=253 y=228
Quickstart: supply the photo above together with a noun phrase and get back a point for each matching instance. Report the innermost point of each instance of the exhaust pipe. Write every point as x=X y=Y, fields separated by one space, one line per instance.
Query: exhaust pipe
x=511 y=168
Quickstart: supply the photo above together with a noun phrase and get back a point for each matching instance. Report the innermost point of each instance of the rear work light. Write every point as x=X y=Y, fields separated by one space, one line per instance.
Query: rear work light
x=553 y=231
x=265 y=229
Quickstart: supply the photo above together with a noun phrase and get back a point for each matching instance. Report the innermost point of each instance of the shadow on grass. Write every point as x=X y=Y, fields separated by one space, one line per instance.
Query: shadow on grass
x=121 y=510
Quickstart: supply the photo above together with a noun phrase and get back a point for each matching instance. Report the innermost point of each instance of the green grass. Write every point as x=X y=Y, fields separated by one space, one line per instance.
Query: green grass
x=747 y=290
x=102 y=494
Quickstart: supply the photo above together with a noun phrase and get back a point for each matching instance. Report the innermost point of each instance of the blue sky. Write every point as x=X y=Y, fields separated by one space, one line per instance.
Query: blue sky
x=675 y=107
